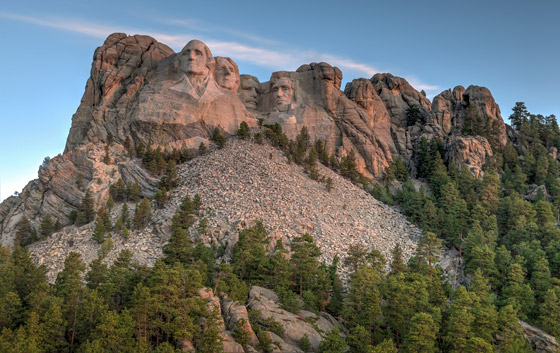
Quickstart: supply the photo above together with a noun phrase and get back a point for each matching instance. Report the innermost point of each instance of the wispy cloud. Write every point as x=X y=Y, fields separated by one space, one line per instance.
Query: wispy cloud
x=198 y=25
x=263 y=56
x=92 y=30
x=419 y=85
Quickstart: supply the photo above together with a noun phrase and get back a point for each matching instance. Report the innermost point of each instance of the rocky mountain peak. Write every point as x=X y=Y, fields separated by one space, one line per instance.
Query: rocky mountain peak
x=140 y=93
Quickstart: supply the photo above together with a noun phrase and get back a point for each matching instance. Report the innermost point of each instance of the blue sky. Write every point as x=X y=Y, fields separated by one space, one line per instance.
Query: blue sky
x=511 y=47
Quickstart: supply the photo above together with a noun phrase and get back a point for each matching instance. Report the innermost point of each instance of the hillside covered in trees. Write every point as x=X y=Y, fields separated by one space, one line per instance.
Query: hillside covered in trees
x=504 y=226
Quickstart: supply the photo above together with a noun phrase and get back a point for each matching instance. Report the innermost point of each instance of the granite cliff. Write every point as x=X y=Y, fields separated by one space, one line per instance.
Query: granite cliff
x=142 y=93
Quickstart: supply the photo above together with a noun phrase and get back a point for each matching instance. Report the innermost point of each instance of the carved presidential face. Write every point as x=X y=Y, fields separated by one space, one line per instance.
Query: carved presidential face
x=227 y=73
x=248 y=91
x=196 y=59
x=283 y=91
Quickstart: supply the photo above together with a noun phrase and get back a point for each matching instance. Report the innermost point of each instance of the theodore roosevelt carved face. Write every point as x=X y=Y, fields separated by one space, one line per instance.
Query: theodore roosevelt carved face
x=248 y=91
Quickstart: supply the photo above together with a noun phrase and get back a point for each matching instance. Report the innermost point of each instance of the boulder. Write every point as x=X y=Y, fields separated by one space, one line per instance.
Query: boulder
x=295 y=326
x=235 y=313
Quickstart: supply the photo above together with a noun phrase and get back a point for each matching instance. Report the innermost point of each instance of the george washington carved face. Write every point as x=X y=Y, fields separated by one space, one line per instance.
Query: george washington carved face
x=197 y=59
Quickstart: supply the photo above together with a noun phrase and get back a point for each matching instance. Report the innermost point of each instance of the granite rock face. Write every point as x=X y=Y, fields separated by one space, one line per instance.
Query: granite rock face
x=540 y=341
x=120 y=68
x=451 y=107
x=469 y=151
x=295 y=325
x=398 y=95
x=141 y=91
x=311 y=97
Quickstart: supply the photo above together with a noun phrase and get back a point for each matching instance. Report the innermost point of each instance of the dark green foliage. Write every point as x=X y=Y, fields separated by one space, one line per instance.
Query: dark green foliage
x=275 y=135
x=202 y=149
x=107 y=158
x=240 y=334
x=413 y=115
x=170 y=178
x=47 y=226
x=143 y=214
x=86 y=208
x=332 y=343
x=249 y=252
x=426 y=155
x=349 y=166
x=218 y=138
x=422 y=335
x=99 y=231
x=258 y=137
x=24 y=232
x=161 y=197
x=185 y=215
x=304 y=344
x=305 y=262
x=397 y=170
x=244 y=132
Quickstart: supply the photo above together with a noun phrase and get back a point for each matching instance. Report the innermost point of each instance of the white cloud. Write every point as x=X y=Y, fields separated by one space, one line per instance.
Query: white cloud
x=274 y=59
x=198 y=25
x=419 y=85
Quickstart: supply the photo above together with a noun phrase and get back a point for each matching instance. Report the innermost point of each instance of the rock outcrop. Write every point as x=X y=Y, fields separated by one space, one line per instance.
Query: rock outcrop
x=398 y=95
x=469 y=151
x=295 y=325
x=540 y=341
x=314 y=100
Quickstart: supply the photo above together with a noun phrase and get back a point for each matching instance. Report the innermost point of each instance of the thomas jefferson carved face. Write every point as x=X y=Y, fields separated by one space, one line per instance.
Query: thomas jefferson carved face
x=283 y=91
x=248 y=92
x=227 y=73
x=196 y=59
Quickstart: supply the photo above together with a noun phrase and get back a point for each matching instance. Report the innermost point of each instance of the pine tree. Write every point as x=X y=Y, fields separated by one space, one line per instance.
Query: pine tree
x=99 y=232
x=386 y=346
x=249 y=253
x=244 y=132
x=549 y=318
x=478 y=345
x=305 y=260
x=47 y=226
x=70 y=287
x=421 y=337
x=143 y=214
x=359 y=340
x=24 y=232
x=218 y=138
x=179 y=248
x=458 y=328
x=519 y=116
x=517 y=293
x=332 y=343
x=429 y=249
x=363 y=301
x=86 y=206
x=104 y=217
x=397 y=265
x=161 y=197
